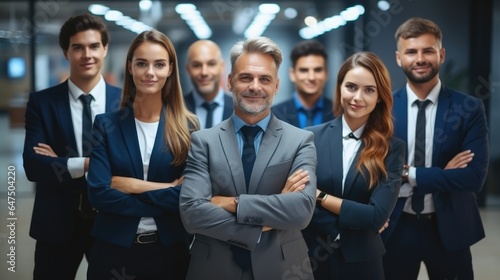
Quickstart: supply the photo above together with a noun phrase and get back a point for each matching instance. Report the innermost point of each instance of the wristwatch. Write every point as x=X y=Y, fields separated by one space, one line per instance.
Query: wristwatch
x=406 y=172
x=321 y=197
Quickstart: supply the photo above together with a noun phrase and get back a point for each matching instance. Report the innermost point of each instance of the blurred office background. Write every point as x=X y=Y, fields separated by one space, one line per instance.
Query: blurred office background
x=30 y=60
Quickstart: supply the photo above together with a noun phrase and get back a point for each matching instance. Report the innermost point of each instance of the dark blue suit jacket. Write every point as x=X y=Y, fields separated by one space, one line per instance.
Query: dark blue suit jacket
x=460 y=125
x=228 y=104
x=363 y=211
x=48 y=120
x=287 y=112
x=116 y=152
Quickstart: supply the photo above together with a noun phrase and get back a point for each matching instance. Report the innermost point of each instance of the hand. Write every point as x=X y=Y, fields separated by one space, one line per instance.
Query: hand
x=296 y=182
x=228 y=203
x=265 y=228
x=460 y=160
x=386 y=225
x=44 y=150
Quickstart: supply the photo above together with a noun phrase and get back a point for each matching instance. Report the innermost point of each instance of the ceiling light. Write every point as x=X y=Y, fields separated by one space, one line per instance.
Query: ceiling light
x=98 y=9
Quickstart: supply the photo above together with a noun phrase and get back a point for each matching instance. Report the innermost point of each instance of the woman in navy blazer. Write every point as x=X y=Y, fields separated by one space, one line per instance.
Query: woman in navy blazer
x=359 y=174
x=136 y=164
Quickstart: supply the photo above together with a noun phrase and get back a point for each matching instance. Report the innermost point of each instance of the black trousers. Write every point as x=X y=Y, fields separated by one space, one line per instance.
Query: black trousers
x=61 y=260
x=414 y=241
x=140 y=262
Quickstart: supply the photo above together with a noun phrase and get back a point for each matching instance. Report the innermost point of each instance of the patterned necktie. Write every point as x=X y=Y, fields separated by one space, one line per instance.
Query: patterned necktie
x=417 y=199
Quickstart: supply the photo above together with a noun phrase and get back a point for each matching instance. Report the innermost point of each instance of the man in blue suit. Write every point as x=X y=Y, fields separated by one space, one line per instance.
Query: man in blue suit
x=56 y=148
x=207 y=100
x=436 y=218
x=309 y=73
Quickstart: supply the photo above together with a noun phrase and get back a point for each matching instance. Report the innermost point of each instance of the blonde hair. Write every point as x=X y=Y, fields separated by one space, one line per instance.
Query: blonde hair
x=178 y=120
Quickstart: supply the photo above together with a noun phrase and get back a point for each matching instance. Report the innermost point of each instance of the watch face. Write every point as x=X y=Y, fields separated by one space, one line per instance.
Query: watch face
x=321 y=195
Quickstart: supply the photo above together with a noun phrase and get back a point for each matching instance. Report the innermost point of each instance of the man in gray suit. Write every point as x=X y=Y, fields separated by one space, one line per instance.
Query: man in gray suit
x=246 y=224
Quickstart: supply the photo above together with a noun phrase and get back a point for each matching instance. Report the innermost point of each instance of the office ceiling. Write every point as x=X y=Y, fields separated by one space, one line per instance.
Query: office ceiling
x=220 y=15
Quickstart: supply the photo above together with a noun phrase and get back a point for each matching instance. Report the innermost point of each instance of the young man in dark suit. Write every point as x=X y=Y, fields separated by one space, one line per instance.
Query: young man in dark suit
x=57 y=145
x=207 y=100
x=436 y=218
x=309 y=73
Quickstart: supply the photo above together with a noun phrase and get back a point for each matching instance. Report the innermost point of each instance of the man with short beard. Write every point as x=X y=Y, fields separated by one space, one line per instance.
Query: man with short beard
x=436 y=218
x=250 y=182
x=207 y=100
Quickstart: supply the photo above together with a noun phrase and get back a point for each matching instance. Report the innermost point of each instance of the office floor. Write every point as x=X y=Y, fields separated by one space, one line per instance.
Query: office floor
x=486 y=253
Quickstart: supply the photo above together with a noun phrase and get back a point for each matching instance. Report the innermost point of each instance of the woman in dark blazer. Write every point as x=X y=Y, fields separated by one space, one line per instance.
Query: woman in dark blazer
x=135 y=168
x=359 y=174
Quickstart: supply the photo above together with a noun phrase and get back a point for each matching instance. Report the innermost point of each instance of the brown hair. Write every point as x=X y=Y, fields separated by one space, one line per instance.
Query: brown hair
x=379 y=127
x=178 y=120
x=415 y=27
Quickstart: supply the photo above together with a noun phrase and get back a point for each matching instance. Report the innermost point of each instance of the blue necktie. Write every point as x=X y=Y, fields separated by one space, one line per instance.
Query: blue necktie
x=417 y=199
x=210 y=107
x=248 y=156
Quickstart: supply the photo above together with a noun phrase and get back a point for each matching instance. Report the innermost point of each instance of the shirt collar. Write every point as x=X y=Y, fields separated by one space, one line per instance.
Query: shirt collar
x=75 y=91
x=346 y=130
x=433 y=94
x=299 y=106
x=198 y=100
x=239 y=123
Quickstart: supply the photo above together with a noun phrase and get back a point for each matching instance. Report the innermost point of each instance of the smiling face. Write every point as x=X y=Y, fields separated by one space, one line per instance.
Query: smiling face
x=85 y=55
x=150 y=67
x=205 y=67
x=420 y=58
x=254 y=82
x=309 y=75
x=358 y=96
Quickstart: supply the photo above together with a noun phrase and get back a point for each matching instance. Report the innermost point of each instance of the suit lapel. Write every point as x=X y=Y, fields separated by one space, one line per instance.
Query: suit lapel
x=112 y=104
x=228 y=106
x=65 y=118
x=229 y=145
x=159 y=151
x=269 y=144
x=129 y=134
x=189 y=102
x=400 y=109
x=444 y=103
x=353 y=173
x=337 y=163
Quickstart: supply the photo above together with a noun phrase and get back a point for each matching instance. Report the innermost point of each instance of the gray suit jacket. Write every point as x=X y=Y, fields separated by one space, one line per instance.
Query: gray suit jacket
x=214 y=168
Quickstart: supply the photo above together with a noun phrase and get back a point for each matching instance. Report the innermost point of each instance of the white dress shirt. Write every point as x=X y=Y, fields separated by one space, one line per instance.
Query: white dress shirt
x=430 y=119
x=98 y=106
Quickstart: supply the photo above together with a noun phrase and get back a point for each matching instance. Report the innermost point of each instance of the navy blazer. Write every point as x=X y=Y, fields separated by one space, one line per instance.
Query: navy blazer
x=460 y=125
x=364 y=211
x=116 y=152
x=287 y=112
x=228 y=104
x=48 y=120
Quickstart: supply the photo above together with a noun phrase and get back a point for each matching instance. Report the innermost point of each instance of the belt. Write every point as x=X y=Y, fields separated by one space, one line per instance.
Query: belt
x=421 y=217
x=146 y=238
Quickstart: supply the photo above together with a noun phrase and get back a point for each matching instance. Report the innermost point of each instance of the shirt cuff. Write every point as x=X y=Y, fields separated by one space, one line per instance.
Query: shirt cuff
x=76 y=167
x=412 y=176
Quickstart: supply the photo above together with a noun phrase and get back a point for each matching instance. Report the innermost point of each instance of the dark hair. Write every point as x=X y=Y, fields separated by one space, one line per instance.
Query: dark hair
x=305 y=48
x=414 y=27
x=379 y=127
x=179 y=119
x=79 y=23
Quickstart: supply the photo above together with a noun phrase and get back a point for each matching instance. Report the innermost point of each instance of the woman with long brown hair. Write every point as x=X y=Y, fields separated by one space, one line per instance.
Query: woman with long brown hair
x=136 y=167
x=359 y=174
